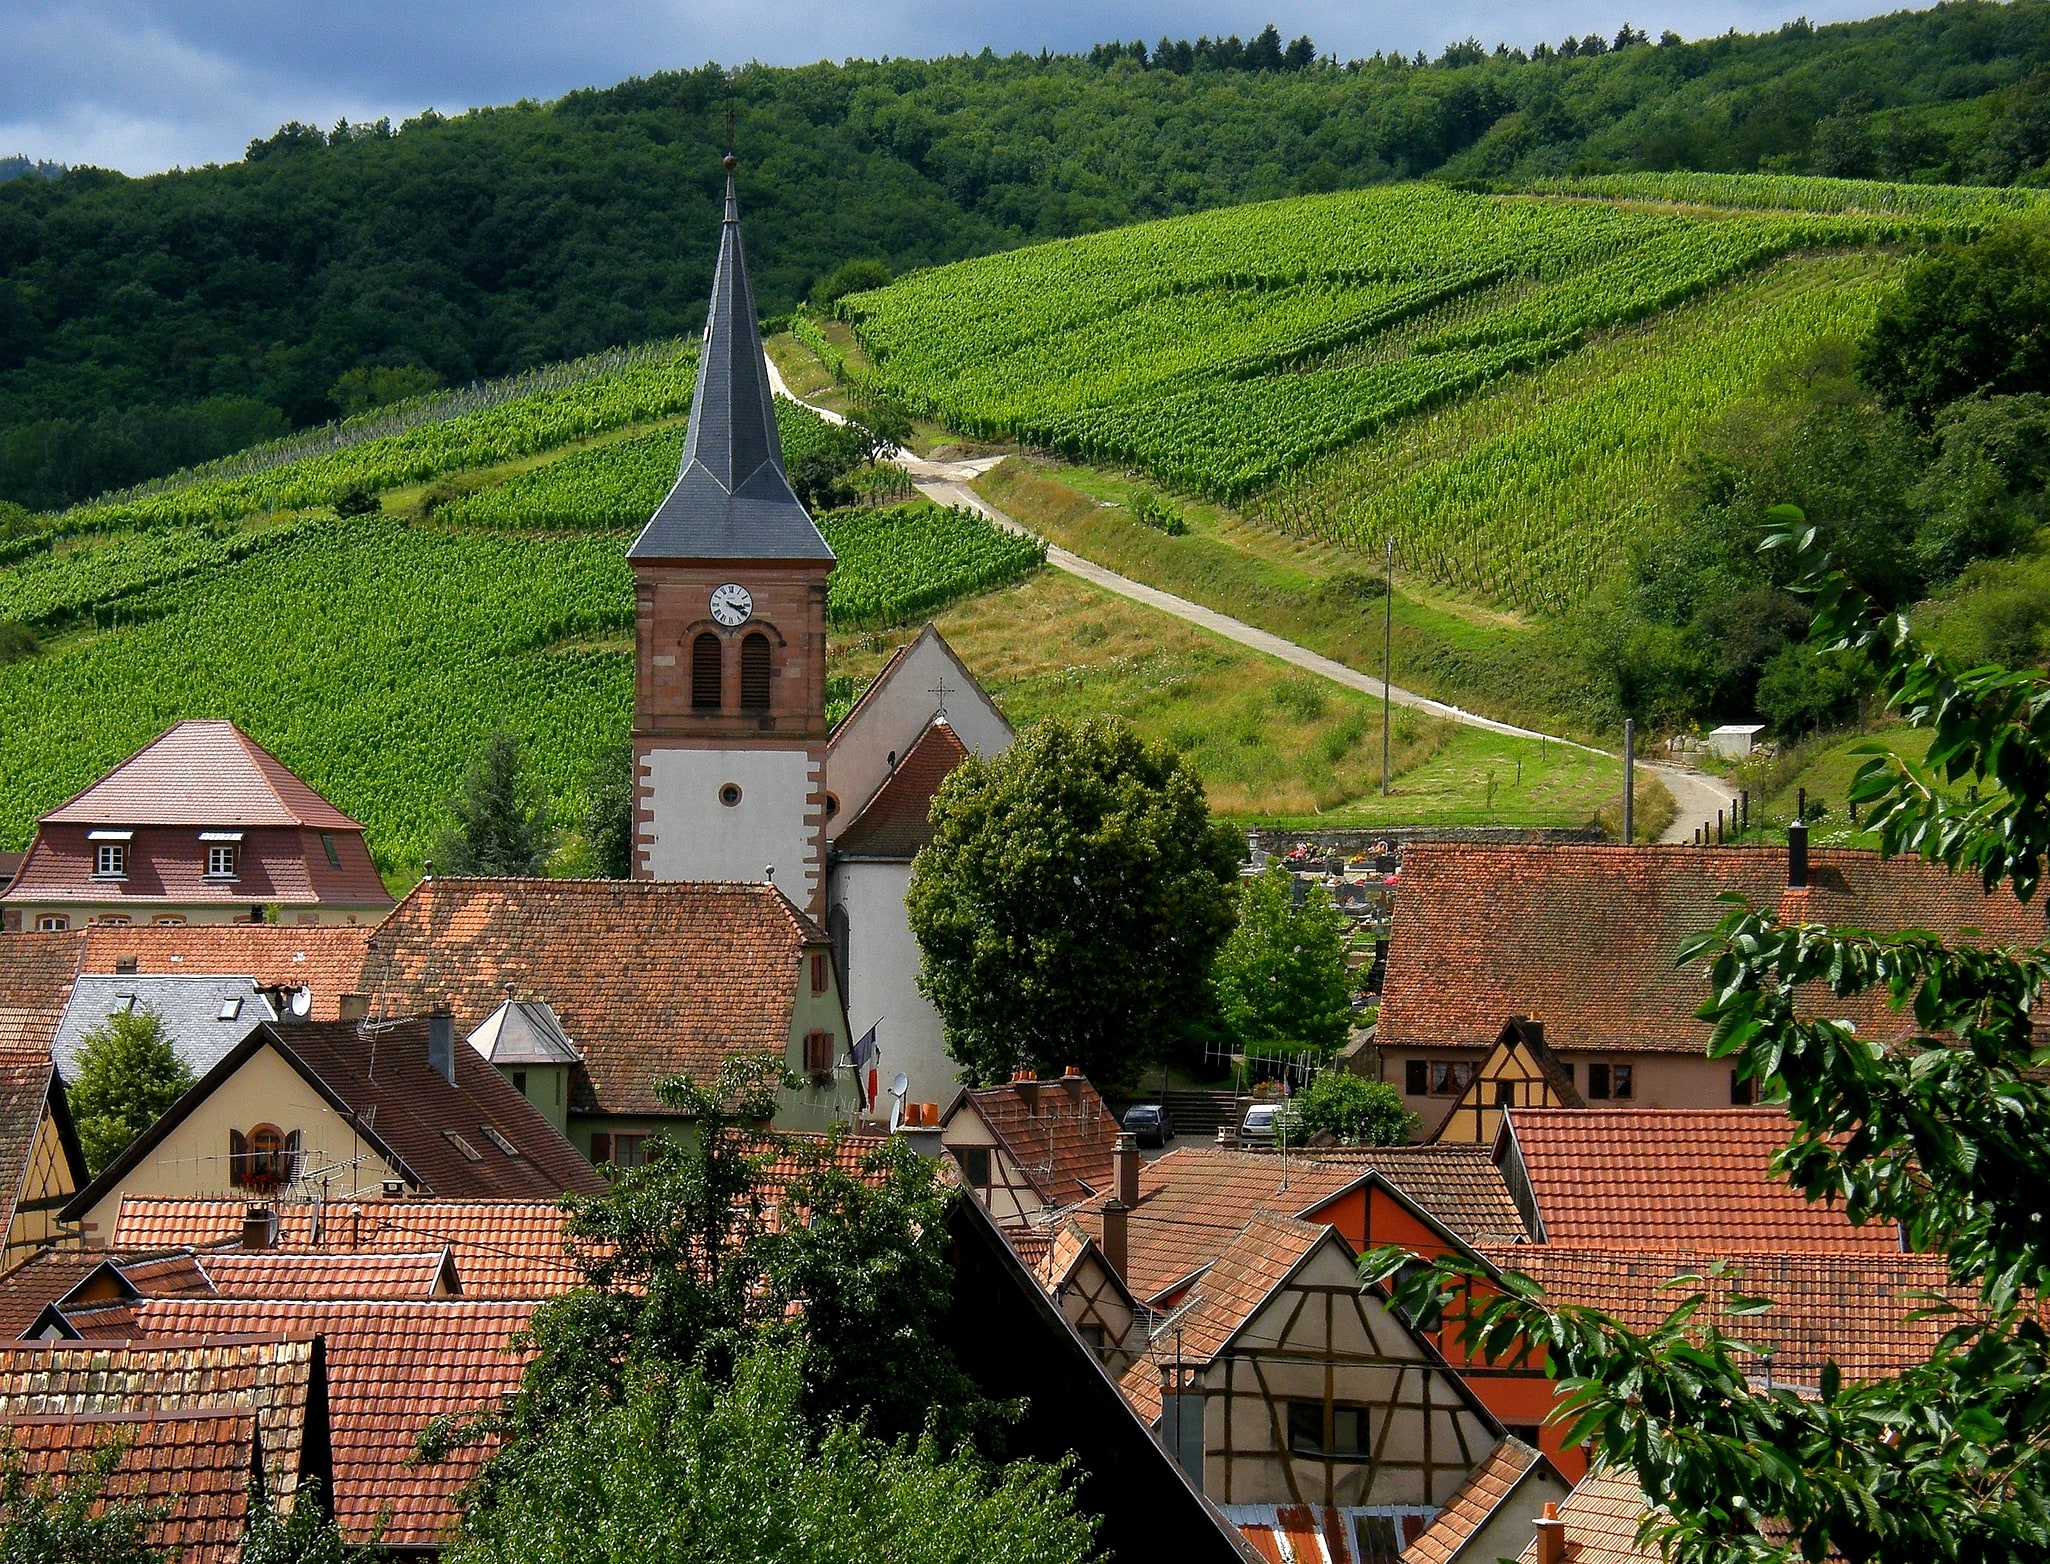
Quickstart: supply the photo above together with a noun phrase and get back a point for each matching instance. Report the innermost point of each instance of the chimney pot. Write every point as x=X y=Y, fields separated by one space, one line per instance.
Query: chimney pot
x=1124 y=1158
x=1071 y=1073
x=441 y=1045
x=259 y=1227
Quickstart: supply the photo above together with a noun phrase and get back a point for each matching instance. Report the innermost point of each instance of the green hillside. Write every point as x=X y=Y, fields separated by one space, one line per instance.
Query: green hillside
x=151 y=323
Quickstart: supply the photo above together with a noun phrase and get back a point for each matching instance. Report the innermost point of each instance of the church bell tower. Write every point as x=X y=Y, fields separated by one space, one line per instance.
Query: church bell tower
x=730 y=632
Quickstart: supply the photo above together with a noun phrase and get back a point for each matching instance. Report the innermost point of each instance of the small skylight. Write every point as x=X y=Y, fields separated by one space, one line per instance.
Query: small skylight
x=491 y=1134
x=231 y=1009
x=463 y=1146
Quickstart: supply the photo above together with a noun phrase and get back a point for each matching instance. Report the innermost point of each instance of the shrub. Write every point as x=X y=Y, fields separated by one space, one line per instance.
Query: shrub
x=1356 y=1111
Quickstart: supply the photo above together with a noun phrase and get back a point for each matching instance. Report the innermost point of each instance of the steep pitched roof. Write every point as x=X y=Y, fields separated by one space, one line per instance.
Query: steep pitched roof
x=1058 y=1132
x=446 y=1137
x=1651 y=1178
x=391 y=1367
x=731 y=499
x=895 y=823
x=278 y=1377
x=503 y=1249
x=326 y=961
x=1458 y=1186
x=1584 y=939
x=1474 y=1502
x=36 y=974
x=195 y=1467
x=29 y=1084
x=651 y=977
x=1849 y=1309
x=201 y=773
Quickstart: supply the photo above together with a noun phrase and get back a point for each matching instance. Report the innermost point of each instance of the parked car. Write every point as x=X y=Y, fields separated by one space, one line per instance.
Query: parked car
x=1149 y=1123
x=1259 y=1125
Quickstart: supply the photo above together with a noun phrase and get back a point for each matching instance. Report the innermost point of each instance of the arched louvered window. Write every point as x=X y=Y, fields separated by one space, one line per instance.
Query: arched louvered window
x=706 y=673
x=754 y=673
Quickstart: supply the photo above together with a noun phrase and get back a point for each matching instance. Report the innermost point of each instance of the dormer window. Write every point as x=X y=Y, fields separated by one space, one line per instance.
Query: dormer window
x=110 y=861
x=220 y=861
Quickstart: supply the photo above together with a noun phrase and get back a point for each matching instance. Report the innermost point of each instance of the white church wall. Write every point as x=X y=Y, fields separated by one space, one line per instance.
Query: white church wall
x=895 y=713
x=694 y=836
x=882 y=979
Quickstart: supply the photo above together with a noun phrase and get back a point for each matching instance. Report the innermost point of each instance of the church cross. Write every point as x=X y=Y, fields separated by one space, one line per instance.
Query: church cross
x=940 y=692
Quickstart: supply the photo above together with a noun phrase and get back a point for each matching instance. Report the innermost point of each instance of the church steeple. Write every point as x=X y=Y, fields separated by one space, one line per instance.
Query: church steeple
x=731 y=499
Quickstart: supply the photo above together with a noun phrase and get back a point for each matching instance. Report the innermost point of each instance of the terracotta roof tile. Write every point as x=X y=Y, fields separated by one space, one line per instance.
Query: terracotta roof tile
x=1601 y=1516
x=40 y=1280
x=441 y=1130
x=328 y=961
x=504 y=1249
x=167 y=1276
x=1474 y=1501
x=1851 y=1310
x=1584 y=938
x=201 y=773
x=1650 y=1178
x=330 y=1276
x=1195 y=1200
x=276 y=1378
x=36 y=973
x=895 y=823
x=1058 y=1131
x=650 y=978
x=195 y=1465
x=167 y=867
x=391 y=1367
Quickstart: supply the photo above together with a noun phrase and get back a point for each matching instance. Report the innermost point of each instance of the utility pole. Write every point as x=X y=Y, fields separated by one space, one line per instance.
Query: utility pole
x=1629 y=778
x=1387 y=660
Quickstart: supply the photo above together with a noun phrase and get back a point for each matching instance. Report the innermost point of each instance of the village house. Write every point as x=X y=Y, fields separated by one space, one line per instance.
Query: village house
x=1070 y=1266
x=202 y=825
x=1582 y=941
x=1031 y=1146
x=41 y=1165
x=643 y=979
x=344 y=1111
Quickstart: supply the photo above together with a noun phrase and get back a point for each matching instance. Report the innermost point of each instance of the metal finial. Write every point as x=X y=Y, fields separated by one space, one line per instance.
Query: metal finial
x=731 y=162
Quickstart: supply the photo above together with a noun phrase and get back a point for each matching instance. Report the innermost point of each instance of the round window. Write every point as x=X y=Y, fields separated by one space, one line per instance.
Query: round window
x=729 y=795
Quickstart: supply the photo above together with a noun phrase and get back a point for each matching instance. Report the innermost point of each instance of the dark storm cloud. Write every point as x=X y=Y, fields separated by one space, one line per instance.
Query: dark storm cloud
x=143 y=85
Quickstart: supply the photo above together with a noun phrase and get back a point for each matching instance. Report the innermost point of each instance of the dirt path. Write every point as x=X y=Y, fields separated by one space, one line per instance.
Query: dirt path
x=948 y=483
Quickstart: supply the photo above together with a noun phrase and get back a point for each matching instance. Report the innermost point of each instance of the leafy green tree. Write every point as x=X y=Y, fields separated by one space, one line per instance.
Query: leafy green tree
x=1281 y=975
x=72 y=1519
x=376 y=385
x=1970 y=318
x=1354 y=1110
x=309 y=1535
x=1070 y=903
x=1940 y=1133
x=688 y=1466
x=849 y=277
x=609 y=818
x=502 y=821
x=128 y=1074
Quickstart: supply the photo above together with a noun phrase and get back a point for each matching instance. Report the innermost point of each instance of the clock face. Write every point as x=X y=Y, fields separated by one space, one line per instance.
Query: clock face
x=731 y=604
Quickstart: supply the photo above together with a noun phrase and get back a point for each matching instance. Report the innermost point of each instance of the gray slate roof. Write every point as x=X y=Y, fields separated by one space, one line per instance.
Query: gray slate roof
x=731 y=499
x=204 y=1016
x=523 y=1032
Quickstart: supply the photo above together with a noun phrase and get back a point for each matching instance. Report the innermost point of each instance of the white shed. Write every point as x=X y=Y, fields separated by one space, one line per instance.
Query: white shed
x=1736 y=738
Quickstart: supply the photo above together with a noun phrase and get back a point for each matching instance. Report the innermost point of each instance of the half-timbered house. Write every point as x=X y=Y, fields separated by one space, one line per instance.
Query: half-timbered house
x=1091 y=1296
x=1520 y=1071
x=1031 y=1146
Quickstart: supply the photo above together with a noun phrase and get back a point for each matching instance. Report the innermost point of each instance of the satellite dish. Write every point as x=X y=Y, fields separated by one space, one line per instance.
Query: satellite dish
x=896 y=1114
x=900 y=1083
x=302 y=1002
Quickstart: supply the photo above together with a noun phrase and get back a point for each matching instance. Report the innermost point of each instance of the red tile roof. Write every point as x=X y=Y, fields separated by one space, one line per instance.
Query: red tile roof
x=36 y=973
x=1302 y=1533
x=1851 y=1310
x=1058 y=1132
x=195 y=1465
x=38 y=1281
x=328 y=961
x=166 y=867
x=1457 y=1185
x=504 y=1249
x=650 y=978
x=267 y=1274
x=895 y=823
x=1651 y=1178
x=391 y=1367
x=201 y=773
x=1474 y=1502
x=10 y=865
x=276 y=1378
x=1583 y=939
x=1601 y=1516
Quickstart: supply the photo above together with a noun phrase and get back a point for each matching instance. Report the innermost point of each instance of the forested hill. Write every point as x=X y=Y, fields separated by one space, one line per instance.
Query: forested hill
x=149 y=323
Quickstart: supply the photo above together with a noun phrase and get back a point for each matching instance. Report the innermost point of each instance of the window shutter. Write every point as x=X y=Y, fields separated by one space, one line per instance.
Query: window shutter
x=294 y=1156
x=1416 y=1078
x=706 y=673
x=754 y=673
x=601 y=1147
x=238 y=1158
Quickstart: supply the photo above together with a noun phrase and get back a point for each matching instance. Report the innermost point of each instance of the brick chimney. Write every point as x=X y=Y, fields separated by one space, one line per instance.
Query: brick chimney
x=441 y=1045
x=1124 y=1161
x=1551 y=1536
x=1071 y=1082
x=259 y=1227
x=1028 y=1089
x=1117 y=1211
x=1797 y=856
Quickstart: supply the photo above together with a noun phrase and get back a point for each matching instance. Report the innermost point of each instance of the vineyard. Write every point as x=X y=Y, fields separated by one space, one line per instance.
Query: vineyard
x=1229 y=351
x=899 y=564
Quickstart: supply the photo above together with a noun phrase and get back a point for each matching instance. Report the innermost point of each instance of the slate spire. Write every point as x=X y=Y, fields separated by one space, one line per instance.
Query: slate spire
x=731 y=499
